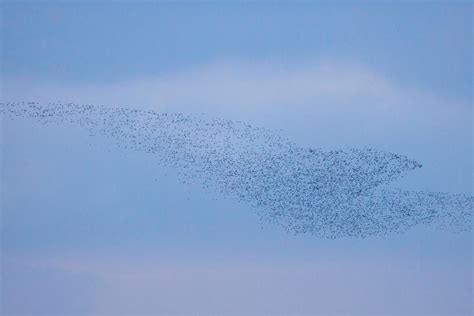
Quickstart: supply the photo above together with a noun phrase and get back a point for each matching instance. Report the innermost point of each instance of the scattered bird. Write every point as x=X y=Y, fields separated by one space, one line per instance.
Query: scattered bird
x=329 y=194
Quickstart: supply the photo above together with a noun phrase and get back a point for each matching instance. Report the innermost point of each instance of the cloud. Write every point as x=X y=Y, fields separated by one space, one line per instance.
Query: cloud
x=326 y=103
x=322 y=96
x=241 y=83
x=220 y=85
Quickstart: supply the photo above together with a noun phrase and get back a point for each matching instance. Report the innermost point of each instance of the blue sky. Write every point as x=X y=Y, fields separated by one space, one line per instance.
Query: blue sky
x=91 y=228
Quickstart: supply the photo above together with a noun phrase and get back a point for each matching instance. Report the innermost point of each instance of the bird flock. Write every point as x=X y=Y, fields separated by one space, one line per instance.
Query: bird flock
x=330 y=194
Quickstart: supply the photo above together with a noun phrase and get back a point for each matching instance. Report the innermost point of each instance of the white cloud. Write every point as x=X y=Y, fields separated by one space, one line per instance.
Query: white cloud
x=218 y=84
x=222 y=85
x=243 y=89
x=328 y=103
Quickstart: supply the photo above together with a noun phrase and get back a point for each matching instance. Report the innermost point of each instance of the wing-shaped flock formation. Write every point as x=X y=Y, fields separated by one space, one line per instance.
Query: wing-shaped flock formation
x=326 y=193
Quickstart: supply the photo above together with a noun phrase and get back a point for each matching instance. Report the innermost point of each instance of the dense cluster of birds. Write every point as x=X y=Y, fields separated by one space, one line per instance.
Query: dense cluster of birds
x=330 y=194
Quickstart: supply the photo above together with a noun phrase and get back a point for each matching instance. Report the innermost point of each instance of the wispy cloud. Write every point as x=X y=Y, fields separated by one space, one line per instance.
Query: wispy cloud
x=225 y=84
x=218 y=84
x=325 y=89
x=351 y=102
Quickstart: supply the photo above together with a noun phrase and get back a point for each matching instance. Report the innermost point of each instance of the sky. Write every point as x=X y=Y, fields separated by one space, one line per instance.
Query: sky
x=90 y=228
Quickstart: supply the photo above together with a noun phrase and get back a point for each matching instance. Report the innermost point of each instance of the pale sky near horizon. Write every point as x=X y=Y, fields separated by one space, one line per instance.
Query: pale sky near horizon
x=89 y=228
